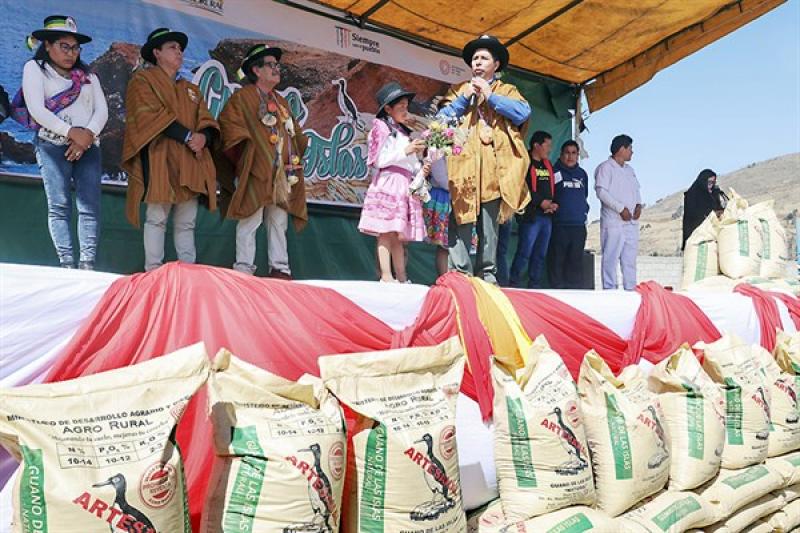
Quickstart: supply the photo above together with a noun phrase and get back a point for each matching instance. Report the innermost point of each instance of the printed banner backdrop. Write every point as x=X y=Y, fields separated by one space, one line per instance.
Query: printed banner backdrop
x=330 y=75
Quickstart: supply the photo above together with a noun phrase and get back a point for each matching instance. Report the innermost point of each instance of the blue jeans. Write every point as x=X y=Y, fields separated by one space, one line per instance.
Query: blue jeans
x=504 y=237
x=60 y=177
x=534 y=238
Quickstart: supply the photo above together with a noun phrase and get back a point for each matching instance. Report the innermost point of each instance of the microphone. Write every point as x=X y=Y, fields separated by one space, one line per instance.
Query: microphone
x=472 y=100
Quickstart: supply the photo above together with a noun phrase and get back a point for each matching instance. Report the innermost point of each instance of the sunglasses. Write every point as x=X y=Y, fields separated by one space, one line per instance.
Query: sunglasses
x=75 y=49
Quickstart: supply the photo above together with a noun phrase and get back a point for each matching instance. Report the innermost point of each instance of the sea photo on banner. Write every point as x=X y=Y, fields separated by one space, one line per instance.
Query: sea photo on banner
x=330 y=75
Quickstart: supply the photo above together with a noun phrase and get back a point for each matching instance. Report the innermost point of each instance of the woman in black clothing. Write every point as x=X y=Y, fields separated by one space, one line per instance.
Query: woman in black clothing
x=702 y=197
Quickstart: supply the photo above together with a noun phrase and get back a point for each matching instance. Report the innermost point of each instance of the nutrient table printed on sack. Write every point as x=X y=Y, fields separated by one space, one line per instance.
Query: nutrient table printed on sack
x=113 y=452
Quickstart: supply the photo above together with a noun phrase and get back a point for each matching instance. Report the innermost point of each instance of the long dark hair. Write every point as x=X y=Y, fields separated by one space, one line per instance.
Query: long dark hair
x=42 y=56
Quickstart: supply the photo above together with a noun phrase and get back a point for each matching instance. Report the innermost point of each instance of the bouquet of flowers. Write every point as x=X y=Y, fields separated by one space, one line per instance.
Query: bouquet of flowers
x=443 y=138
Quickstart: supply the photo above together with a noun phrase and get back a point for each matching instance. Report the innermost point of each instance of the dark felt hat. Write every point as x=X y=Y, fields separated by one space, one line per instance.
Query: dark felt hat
x=255 y=53
x=489 y=42
x=160 y=36
x=390 y=93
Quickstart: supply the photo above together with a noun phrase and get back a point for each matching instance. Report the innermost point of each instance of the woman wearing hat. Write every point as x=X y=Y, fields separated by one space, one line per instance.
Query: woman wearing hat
x=390 y=212
x=263 y=145
x=64 y=103
x=165 y=152
x=487 y=181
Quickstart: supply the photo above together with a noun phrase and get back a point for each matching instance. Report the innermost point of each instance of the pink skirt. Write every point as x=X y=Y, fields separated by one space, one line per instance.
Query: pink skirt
x=388 y=207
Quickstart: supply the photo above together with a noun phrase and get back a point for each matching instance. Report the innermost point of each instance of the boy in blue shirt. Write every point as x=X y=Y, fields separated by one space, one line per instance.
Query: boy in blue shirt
x=569 y=222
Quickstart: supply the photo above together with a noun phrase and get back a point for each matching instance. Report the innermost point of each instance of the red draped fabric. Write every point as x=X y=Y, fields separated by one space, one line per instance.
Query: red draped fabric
x=270 y=323
x=664 y=321
x=477 y=381
x=569 y=332
x=435 y=323
x=792 y=303
x=767 y=310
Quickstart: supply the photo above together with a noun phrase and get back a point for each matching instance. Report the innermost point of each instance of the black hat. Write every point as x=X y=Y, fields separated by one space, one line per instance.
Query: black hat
x=255 y=53
x=160 y=36
x=389 y=93
x=58 y=25
x=491 y=43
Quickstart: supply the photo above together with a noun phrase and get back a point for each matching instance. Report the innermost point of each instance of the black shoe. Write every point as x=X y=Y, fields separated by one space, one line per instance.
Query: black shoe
x=86 y=265
x=68 y=265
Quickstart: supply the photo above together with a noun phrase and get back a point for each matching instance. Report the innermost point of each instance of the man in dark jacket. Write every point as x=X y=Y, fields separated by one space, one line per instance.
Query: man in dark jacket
x=702 y=197
x=535 y=222
x=569 y=223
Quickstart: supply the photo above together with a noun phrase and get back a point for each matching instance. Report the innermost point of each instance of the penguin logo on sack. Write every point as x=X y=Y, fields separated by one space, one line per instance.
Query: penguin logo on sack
x=662 y=454
x=133 y=520
x=320 y=494
x=569 y=441
x=442 y=488
x=761 y=400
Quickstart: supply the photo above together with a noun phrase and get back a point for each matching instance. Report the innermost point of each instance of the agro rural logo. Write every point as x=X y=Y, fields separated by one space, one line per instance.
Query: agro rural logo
x=336 y=460
x=215 y=6
x=347 y=38
x=447 y=442
x=157 y=486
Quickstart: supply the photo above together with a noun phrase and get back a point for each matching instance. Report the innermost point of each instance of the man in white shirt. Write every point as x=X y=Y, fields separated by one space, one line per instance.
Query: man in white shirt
x=618 y=191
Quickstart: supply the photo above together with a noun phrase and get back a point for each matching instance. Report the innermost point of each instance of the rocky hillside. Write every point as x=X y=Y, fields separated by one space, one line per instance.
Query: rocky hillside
x=775 y=179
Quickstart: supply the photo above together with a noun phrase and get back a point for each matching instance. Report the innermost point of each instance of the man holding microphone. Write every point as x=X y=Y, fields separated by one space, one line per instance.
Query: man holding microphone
x=487 y=180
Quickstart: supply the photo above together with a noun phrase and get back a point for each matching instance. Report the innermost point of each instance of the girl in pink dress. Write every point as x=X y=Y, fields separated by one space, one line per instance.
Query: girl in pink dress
x=390 y=211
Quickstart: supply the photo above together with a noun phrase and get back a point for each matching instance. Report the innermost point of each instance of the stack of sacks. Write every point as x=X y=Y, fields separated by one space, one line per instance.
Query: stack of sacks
x=700 y=259
x=760 y=420
x=626 y=435
x=694 y=416
x=739 y=239
x=729 y=363
x=751 y=247
x=541 y=455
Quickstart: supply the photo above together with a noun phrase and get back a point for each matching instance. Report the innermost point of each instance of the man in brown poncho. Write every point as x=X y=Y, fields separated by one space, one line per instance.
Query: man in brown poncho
x=166 y=148
x=260 y=170
x=487 y=181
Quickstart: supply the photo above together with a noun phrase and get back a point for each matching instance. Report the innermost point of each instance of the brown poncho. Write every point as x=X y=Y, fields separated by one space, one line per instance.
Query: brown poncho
x=176 y=174
x=485 y=172
x=262 y=180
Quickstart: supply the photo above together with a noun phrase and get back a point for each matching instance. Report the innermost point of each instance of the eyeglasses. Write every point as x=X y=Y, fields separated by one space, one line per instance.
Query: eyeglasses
x=271 y=65
x=75 y=49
